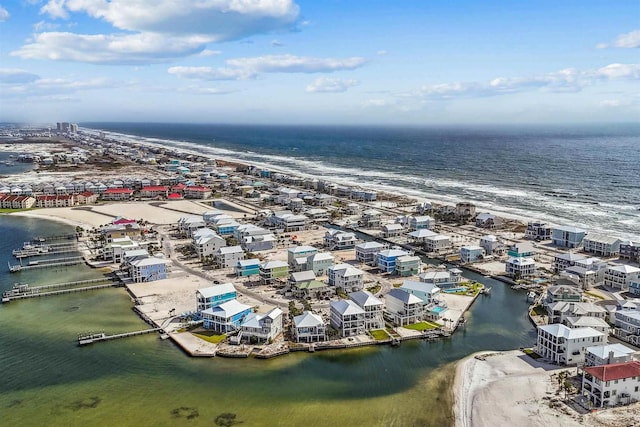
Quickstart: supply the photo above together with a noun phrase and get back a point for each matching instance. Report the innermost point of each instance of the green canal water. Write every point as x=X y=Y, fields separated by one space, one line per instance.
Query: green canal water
x=144 y=381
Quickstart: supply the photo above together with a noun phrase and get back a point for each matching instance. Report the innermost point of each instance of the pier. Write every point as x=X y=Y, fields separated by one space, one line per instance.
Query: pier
x=57 y=262
x=94 y=337
x=41 y=239
x=20 y=291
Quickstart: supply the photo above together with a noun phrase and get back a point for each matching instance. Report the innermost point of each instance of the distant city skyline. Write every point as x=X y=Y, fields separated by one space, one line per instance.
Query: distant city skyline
x=328 y=62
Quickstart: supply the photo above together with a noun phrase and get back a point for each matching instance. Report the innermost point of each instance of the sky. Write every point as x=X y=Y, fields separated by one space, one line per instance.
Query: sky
x=320 y=62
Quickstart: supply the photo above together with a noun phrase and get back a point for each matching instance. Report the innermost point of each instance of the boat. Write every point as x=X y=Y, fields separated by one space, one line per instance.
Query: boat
x=531 y=296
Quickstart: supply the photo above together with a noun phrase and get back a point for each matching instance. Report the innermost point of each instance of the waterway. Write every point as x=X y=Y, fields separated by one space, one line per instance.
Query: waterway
x=48 y=380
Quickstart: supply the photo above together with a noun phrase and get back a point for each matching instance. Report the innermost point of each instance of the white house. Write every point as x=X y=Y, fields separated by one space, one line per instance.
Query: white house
x=403 y=308
x=437 y=243
x=367 y=252
x=565 y=260
x=303 y=252
x=559 y=311
x=337 y=240
x=345 y=276
x=567 y=236
x=520 y=268
x=471 y=253
x=565 y=346
x=373 y=309
x=427 y=292
x=487 y=220
x=228 y=256
x=422 y=222
x=442 y=279
x=613 y=384
x=262 y=327
x=205 y=242
x=607 y=354
x=392 y=230
x=491 y=244
x=419 y=236
x=226 y=317
x=601 y=244
x=149 y=269
x=319 y=263
x=348 y=318
x=621 y=276
x=308 y=327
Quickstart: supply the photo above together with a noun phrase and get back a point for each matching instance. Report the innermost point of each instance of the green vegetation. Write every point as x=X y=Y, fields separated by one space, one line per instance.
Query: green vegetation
x=397 y=285
x=379 y=334
x=342 y=294
x=472 y=289
x=374 y=289
x=591 y=294
x=532 y=354
x=209 y=336
x=293 y=310
x=3 y=211
x=422 y=326
x=538 y=310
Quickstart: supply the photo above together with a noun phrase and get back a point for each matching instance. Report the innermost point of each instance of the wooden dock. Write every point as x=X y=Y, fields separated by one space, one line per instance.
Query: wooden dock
x=52 y=251
x=94 y=337
x=57 y=262
x=8 y=296
x=40 y=239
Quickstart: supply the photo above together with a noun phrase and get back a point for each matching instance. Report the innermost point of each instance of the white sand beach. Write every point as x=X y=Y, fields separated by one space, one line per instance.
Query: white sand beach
x=511 y=389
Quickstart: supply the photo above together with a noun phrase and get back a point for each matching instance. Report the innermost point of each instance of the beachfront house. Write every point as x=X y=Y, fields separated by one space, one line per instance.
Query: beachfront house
x=373 y=309
x=319 y=263
x=520 y=268
x=403 y=308
x=367 y=252
x=437 y=243
x=117 y=231
x=627 y=326
x=387 y=259
x=272 y=272
x=630 y=251
x=537 y=230
x=422 y=222
x=611 y=385
x=487 y=220
x=565 y=346
x=346 y=277
x=226 y=317
x=215 y=295
x=308 y=327
x=621 y=276
x=348 y=318
x=337 y=240
x=262 y=328
x=248 y=267
x=567 y=237
x=471 y=253
x=408 y=265
x=206 y=242
x=602 y=245
x=465 y=210
x=149 y=269
x=607 y=354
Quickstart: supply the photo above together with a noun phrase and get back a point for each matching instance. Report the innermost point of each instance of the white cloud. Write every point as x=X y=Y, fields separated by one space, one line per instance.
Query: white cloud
x=567 y=80
x=296 y=64
x=4 y=14
x=615 y=103
x=209 y=52
x=153 y=31
x=198 y=90
x=381 y=52
x=248 y=68
x=210 y=73
x=41 y=26
x=377 y=103
x=276 y=43
x=219 y=19
x=53 y=88
x=140 y=48
x=13 y=76
x=325 y=84
x=629 y=40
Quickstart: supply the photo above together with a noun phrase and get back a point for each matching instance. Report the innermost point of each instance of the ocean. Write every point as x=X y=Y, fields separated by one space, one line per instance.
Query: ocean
x=144 y=381
x=587 y=175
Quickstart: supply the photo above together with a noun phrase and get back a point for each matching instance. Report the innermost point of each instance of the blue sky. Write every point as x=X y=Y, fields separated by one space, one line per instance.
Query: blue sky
x=305 y=62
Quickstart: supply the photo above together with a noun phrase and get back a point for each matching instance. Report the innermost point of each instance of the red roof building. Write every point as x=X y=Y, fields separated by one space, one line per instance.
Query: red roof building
x=613 y=384
x=197 y=192
x=154 y=191
x=117 y=194
x=174 y=196
x=615 y=371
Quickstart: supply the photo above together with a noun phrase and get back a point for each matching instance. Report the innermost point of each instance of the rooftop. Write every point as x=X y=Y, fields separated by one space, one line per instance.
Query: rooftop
x=615 y=371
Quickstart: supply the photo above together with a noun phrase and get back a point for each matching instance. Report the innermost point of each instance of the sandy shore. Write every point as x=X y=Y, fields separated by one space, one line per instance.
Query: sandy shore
x=511 y=389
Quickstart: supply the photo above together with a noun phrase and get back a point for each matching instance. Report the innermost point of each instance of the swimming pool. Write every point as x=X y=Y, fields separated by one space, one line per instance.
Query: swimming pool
x=438 y=309
x=454 y=290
